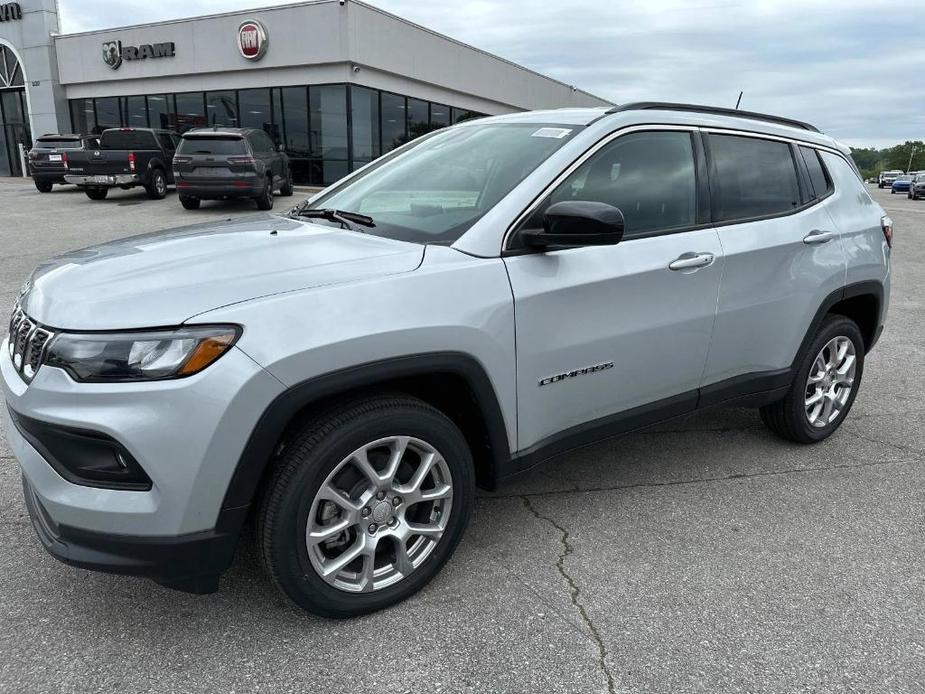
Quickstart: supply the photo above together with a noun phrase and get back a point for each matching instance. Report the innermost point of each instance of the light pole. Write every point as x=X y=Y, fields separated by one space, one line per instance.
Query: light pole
x=911 y=154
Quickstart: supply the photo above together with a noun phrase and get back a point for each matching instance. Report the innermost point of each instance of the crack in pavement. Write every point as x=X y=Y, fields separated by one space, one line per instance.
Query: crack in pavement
x=897 y=446
x=575 y=592
x=703 y=480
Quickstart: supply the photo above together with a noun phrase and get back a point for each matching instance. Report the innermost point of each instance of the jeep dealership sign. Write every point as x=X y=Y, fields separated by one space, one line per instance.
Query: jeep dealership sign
x=252 y=39
x=114 y=52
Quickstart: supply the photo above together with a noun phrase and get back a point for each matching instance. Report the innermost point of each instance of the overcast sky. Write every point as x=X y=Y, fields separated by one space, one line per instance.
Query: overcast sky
x=854 y=68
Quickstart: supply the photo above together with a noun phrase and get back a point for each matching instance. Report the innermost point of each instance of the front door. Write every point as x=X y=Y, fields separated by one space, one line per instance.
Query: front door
x=14 y=131
x=607 y=329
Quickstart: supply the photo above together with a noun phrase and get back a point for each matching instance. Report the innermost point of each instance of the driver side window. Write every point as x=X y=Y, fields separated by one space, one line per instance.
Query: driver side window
x=649 y=176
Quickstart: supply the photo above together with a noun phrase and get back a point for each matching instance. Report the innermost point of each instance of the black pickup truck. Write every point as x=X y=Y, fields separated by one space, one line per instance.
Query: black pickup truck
x=126 y=157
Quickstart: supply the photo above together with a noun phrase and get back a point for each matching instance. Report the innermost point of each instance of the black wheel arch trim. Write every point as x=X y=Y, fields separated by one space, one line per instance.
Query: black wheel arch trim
x=274 y=421
x=866 y=288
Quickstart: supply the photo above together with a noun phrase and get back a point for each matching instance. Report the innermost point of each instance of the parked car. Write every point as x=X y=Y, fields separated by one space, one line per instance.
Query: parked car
x=917 y=189
x=347 y=374
x=902 y=184
x=218 y=163
x=125 y=158
x=887 y=178
x=48 y=157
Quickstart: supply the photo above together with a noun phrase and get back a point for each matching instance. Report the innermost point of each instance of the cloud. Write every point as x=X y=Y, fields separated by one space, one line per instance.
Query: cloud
x=850 y=67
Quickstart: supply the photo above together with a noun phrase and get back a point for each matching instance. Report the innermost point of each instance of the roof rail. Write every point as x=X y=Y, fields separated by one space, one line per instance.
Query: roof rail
x=716 y=110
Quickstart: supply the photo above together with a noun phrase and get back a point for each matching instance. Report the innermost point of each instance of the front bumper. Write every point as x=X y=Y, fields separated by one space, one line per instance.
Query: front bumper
x=192 y=563
x=186 y=434
x=104 y=180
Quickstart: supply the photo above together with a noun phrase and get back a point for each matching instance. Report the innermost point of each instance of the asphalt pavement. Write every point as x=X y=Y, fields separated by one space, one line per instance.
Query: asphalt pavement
x=702 y=556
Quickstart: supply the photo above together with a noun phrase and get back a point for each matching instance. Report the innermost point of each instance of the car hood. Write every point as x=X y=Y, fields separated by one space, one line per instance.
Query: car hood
x=165 y=278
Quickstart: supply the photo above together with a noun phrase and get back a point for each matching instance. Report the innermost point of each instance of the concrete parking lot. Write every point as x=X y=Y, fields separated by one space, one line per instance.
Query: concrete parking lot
x=701 y=556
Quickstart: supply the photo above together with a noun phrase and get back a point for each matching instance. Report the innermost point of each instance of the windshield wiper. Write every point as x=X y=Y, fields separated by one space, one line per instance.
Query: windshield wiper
x=350 y=220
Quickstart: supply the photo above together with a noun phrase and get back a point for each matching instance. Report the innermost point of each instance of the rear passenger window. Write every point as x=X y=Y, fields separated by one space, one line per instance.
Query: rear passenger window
x=649 y=176
x=752 y=178
x=817 y=176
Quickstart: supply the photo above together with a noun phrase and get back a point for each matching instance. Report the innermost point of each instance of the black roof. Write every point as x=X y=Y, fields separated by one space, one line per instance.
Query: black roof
x=713 y=110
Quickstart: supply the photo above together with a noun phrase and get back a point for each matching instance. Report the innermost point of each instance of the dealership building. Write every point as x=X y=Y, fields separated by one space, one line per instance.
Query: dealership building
x=337 y=82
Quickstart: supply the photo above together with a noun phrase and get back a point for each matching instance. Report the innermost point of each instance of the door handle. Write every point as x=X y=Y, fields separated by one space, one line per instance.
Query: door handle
x=691 y=261
x=817 y=236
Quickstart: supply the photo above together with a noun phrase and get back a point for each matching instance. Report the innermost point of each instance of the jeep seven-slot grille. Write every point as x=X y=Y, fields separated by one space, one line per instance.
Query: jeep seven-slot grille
x=27 y=344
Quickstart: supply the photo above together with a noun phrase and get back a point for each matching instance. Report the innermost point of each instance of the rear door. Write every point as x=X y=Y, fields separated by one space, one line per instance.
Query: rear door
x=606 y=329
x=783 y=257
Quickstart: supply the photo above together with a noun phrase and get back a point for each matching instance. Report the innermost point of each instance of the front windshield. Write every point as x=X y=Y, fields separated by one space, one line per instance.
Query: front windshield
x=434 y=192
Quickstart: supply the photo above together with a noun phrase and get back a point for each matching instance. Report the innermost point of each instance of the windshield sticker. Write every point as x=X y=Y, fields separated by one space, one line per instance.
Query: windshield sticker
x=557 y=133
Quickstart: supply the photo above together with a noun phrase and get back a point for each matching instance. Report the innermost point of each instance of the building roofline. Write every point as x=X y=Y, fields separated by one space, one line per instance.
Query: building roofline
x=306 y=3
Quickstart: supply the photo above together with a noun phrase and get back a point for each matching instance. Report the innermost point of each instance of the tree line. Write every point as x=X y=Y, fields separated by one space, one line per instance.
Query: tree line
x=872 y=161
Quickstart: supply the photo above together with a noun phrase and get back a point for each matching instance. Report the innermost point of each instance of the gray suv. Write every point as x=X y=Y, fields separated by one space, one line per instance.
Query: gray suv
x=213 y=163
x=468 y=306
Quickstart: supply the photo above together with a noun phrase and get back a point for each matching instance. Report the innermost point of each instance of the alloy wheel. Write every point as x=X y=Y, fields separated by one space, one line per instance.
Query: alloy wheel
x=830 y=381
x=379 y=514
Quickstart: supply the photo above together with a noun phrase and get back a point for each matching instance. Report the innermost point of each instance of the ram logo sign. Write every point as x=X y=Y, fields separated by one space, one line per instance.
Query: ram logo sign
x=252 y=39
x=114 y=52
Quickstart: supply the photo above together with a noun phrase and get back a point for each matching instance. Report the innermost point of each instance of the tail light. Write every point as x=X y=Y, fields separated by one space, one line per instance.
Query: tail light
x=886 y=224
x=131 y=162
x=242 y=160
x=64 y=160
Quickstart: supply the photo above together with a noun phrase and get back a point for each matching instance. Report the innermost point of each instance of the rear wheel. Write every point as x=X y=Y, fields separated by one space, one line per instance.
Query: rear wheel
x=265 y=199
x=824 y=387
x=97 y=193
x=157 y=188
x=43 y=186
x=189 y=203
x=366 y=505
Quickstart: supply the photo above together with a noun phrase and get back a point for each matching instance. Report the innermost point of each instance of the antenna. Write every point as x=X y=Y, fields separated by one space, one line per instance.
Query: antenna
x=739 y=100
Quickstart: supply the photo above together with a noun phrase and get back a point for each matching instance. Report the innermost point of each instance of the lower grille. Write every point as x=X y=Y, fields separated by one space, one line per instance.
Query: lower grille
x=28 y=341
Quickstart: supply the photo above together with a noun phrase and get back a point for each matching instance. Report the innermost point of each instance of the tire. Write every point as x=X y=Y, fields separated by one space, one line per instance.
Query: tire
x=287 y=188
x=892 y=192
x=43 y=186
x=97 y=193
x=788 y=417
x=189 y=203
x=308 y=464
x=265 y=199
x=157 y=188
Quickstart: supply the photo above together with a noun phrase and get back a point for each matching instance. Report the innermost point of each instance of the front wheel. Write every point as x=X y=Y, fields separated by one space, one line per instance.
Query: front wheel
x=366 y=505
x=157 y=188
x=97 y=193
x=824 y=387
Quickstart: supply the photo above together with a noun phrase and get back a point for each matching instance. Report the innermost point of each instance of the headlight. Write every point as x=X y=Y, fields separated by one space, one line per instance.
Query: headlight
x=144 y=355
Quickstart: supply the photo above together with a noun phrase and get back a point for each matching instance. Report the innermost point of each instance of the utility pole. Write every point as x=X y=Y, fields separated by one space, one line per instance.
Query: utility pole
x=911 y=154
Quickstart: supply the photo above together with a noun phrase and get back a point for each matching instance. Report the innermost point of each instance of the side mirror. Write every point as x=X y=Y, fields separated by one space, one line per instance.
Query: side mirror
x=281 y=147
x=578 y=223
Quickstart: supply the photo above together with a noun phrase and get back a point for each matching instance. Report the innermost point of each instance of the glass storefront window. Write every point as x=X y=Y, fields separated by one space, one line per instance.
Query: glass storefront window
x=107 y=114
x=418 y=118
x=134 y=112
x=439 y=116
x=190 y=113
x=328 y=121
x=83 y=121
x=222 y=109
x=255 y=109
x=161 y=111
x=364 y=105
x=277 y=128
x=461 y=114
x=295 y=121
x=393 y=121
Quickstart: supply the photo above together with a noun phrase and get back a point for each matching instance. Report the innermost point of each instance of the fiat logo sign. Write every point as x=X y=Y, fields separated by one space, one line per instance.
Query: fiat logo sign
x=252 y=39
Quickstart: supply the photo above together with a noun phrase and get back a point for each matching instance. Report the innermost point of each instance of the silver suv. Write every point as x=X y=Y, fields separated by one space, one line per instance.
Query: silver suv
x=475 y=302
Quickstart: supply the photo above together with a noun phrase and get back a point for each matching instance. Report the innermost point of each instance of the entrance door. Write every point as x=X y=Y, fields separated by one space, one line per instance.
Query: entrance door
x=14 y=122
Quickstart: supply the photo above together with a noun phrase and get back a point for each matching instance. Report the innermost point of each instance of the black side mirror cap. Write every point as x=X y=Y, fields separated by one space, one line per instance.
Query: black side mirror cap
x=578 y=223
